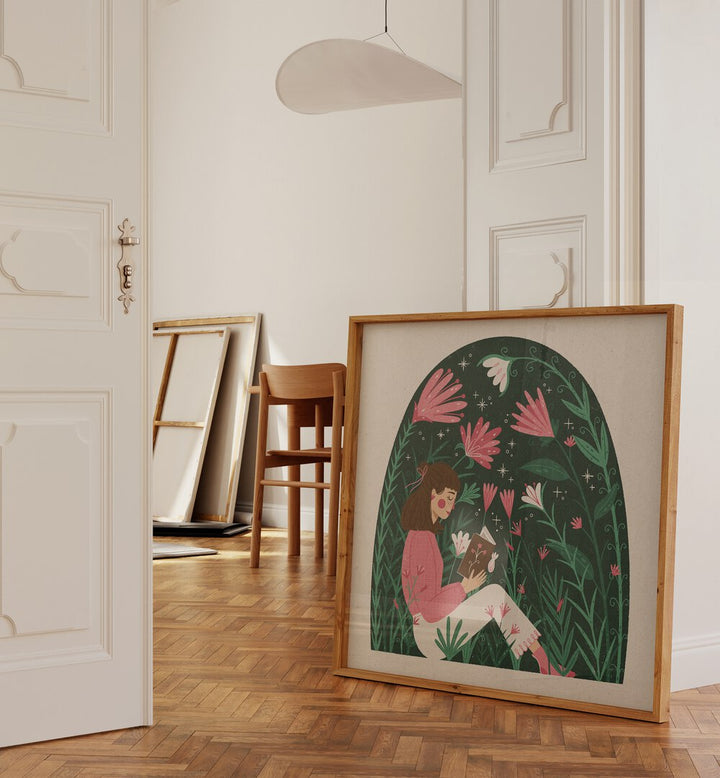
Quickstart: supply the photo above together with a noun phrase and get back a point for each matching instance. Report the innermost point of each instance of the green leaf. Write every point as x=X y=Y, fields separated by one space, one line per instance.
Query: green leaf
x=586 y=401
x=470 y=493
x=574 y=559
x=450 y=645
x=589 y=452
x=604 y=445
x=547 y=468
x=606 y=502
x=576 y=409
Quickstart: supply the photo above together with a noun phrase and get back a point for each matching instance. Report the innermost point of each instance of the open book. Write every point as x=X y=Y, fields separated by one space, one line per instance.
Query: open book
x=478 y=554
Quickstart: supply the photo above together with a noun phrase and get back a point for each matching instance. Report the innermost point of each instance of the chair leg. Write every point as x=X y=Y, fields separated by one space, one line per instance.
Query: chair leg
x=256 y=525
x=332 y=541
x=293 y=502
x=319 y=510
x=259 y=475
x=335 y=471
x=333 y=520
x=293 y=495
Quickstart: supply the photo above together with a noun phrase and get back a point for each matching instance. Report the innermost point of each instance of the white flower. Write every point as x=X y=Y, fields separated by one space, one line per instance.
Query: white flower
x=498 y=371
x=461 y=540
x=533 y=496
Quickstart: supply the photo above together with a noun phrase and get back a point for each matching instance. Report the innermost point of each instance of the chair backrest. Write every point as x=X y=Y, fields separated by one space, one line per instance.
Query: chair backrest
x=302 y=382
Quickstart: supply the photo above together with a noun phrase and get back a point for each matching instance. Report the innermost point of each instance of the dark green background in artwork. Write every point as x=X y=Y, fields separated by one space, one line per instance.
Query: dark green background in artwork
x=565 y=564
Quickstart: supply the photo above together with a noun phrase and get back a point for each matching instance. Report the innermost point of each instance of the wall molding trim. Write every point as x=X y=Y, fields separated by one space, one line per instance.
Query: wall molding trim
x=625 y=136
x=275 y=515
x=695 y=662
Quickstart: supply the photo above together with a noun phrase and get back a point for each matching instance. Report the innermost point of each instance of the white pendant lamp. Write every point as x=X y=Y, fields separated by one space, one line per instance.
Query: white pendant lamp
x=341 y=74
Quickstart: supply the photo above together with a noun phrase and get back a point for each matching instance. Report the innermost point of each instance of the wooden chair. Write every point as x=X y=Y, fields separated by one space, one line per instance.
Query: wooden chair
x=315 y=397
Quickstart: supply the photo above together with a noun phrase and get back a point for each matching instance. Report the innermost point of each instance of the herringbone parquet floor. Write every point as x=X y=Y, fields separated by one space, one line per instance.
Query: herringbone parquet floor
x=243 y=687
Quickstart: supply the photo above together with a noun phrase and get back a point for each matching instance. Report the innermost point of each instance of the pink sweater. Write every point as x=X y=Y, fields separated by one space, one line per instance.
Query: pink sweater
x=422 y=569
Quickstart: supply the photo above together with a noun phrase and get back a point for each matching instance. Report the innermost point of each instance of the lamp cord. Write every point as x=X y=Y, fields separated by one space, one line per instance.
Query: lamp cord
x=372 y=37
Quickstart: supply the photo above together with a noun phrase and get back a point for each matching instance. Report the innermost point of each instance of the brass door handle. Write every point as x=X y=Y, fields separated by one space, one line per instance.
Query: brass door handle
x=126 y=266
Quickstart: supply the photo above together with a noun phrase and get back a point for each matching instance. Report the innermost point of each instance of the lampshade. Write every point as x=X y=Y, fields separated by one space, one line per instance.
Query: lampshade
x=341 y=74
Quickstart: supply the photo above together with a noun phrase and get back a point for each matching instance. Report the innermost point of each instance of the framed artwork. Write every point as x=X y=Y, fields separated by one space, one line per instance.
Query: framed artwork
x=508 y=505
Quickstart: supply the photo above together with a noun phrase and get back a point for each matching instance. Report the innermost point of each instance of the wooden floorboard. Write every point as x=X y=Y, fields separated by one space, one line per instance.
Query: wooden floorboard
x=244 y=687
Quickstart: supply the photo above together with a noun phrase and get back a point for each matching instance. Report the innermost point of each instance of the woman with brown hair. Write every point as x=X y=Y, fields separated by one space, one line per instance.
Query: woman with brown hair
x=429 y=504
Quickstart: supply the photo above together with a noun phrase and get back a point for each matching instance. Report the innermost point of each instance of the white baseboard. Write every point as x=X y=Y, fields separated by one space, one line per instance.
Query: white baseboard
x=695 y=662
x=275 y=515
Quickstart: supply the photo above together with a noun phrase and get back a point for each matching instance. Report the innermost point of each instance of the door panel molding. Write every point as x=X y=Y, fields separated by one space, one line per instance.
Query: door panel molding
x=537 y=117
x=50 y=276
x=539 y=264
x=52 y=453
x=553 y=126
x=55 y=64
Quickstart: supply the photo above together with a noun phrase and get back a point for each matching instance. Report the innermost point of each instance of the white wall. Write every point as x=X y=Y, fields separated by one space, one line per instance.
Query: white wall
x=305 y=219
x=682 y=205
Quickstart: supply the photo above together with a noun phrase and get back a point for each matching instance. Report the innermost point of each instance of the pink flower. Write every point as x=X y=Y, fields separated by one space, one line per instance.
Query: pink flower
x=489 y=492
x=397 y=607
x=461 y=541
x=516 y=528
x=576 y=523
x=533 y=496
x=615 y=570
x=504 y=610
x=498 y=371
x=511 y=548
x=533 y=418
x=481 y=444
x=570 y=441
x=507 y=497
x=490 y=610
x=437 y=401
x=514 y=630
x=543 y=552
x=560 y=604
x=521 y=588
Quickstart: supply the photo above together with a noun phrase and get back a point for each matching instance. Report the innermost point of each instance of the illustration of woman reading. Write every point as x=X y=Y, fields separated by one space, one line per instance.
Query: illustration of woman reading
x=429 y=602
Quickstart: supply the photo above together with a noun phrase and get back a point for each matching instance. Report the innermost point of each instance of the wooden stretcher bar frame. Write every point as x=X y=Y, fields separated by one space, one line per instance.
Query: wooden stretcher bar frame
x=219 y=479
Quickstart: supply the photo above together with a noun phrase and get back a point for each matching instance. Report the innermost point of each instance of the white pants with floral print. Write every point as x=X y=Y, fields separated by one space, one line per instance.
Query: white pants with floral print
x=490 y=602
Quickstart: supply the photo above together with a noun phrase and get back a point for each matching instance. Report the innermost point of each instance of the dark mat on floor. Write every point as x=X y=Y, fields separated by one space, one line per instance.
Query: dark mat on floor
x=171 y=550
x=206 y=529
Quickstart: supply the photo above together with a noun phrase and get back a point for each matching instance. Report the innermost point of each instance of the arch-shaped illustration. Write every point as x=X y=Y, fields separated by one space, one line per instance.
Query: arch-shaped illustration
x=501 y=536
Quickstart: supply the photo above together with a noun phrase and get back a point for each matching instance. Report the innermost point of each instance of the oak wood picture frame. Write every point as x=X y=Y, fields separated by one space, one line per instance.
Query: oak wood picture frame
x=628 y=359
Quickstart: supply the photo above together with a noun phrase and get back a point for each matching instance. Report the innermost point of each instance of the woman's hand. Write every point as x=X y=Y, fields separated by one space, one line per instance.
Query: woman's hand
x=474 y=581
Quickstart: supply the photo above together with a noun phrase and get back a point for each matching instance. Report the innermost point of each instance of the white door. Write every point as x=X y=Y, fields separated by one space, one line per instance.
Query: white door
x=553 y=120
x=74 y=530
